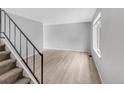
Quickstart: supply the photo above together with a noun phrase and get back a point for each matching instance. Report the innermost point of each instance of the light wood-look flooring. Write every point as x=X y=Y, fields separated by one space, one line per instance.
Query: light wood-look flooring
x=69 y=67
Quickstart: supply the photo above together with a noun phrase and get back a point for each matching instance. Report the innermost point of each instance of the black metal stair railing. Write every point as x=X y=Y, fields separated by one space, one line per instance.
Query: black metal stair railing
x=6 y=24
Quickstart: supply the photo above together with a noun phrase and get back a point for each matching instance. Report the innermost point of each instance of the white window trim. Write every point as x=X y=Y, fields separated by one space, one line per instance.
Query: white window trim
x=97 y=18
x=97 y=50
x=98 y=53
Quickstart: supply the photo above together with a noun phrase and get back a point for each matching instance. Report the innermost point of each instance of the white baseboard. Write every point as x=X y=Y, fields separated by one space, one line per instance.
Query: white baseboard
x=66 y=50
x=98 y=72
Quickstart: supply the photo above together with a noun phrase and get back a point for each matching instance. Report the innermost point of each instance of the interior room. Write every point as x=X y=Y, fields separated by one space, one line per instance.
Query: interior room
x=61 y=46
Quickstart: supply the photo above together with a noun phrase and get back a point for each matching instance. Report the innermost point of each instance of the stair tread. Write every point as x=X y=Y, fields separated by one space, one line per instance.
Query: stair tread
x=23 y=81
x=10 y=73
x=5 y=52
x=2 y=45
x=5 y=62
x=7 y=65
x=4 y=55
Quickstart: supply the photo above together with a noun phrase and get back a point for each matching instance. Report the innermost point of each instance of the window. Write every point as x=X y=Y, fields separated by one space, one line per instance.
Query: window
x=96 y=35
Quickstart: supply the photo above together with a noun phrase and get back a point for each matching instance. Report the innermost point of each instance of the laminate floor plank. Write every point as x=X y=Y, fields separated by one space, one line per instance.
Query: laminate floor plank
x=69 y=67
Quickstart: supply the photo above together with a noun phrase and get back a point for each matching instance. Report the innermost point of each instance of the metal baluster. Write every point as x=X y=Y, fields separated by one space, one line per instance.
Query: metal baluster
x=20 y=44
x=5 y=23
x=14 y=35
x=0 y=24
x=9 y=28
x=33 y=59
x=26 y=51
x=41 y=69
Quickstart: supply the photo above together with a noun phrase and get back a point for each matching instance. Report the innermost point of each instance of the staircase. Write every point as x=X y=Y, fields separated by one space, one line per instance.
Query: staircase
x=9 y=72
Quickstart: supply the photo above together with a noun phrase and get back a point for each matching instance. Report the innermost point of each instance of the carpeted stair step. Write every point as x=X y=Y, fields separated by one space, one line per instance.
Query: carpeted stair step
x=2 y=47
x=4 y=55
x=23 y=81
x=7 y=65
x=11 y=76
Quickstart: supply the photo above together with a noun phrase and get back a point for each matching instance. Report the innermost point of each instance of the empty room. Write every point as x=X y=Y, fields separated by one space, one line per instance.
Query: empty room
x=67 y=41
x=61 y=46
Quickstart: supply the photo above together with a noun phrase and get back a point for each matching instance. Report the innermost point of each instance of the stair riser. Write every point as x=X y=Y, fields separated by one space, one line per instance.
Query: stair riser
x=4 y=56
x=23 y=83
x=7 y=67
x=12 y=79
x=2 y=48
x=27 y=81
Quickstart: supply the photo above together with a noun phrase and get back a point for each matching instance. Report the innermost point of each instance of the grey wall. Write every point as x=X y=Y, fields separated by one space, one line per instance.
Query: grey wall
x=32 y=29
x=111 y=64
x=75 y=36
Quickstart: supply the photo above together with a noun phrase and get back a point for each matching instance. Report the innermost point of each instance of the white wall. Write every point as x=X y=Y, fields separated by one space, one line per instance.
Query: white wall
x=32 y=29
x=55 y=15
x=75 y=36
x=111 y=64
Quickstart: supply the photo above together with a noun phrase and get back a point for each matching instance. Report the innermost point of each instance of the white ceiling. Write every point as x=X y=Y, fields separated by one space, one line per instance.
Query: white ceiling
x=55 y=15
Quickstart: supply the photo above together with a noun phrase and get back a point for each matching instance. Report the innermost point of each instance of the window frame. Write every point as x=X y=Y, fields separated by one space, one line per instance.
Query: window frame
x=96 y=35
